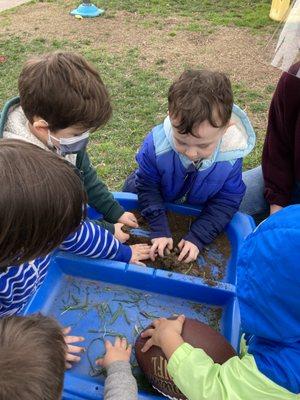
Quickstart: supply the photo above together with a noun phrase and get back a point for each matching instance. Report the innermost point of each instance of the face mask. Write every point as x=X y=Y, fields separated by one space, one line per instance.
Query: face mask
x=70 y=145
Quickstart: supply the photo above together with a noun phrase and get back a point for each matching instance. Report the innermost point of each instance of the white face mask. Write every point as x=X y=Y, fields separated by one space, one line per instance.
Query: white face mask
x=70 y=145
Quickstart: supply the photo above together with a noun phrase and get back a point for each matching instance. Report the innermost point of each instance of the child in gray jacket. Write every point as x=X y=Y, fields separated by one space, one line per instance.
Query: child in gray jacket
x=33 y=361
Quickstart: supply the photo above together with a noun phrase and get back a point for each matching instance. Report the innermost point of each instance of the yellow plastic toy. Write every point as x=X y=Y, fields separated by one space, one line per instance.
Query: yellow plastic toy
x=279 y=9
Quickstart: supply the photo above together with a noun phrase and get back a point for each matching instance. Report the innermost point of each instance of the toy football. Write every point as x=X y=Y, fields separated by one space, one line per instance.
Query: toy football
x=154 y=364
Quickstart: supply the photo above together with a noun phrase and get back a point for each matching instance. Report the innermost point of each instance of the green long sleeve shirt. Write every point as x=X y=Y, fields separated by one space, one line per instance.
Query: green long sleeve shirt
x=199 y=378
x=99 y=196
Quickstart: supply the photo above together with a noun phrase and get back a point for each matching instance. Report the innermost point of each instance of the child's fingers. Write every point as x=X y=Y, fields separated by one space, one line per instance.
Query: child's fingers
x=156 y=322
x=118 y=342
x=181 y=319
x=129 y=348
x=192 y=256
x=74 y=339
x=140 y=264
x=145 y=248
x=161 y=249
x=75 y=349
x=147 y=346
x=99 y=361
x=144 y=256
x=180 y=244
x=125 y=237
x=68 y=365
x=153 y=251
x=183 y=253
x=72 y=358
x=124 y=343
x=170 y=246
x=129 y=219
x=147 y=333
x=144 y=251
x=133 y=219
x=66 y=330
x=107 y=345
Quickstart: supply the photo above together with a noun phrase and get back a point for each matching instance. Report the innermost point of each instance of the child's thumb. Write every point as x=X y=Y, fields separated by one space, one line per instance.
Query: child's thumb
x=99 y=362
x=181 y=319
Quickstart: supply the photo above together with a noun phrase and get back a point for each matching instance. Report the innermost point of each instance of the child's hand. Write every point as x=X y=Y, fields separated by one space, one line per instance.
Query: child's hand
x=139 y=252
x=72 y=349
x=159 y=245
x=165 y=334
x=120 y=351
x=187 y=249
x=119 y=234
x=128 y=219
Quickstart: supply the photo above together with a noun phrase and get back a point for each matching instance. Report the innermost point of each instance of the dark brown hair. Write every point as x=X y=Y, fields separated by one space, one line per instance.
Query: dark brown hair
x=32 y=362
x=64 y=90
x=41 y=201
x=200 y=95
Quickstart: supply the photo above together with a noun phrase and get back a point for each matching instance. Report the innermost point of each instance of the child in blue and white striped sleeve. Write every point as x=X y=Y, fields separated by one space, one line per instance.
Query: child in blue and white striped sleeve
x=42 y=207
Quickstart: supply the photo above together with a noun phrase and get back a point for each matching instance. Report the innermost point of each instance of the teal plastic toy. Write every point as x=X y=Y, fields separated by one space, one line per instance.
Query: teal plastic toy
x=87 y=10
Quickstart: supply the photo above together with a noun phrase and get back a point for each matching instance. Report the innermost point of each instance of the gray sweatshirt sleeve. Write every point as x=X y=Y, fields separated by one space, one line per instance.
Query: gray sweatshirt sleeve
x=120 y=383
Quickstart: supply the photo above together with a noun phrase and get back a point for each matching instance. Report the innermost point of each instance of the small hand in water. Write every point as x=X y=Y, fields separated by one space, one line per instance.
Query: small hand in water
x=70 y=357
x=120 y=351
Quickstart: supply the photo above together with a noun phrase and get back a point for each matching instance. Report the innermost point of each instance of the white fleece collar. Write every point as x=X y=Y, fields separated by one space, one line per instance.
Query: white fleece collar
x=17 y=127
x=237 y=142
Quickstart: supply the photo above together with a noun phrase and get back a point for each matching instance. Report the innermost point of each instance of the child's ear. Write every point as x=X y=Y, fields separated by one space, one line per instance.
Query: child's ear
x=40 y=126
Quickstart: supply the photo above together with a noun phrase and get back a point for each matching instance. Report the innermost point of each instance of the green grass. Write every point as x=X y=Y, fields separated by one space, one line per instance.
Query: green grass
x=247 y=13
x=139 y=94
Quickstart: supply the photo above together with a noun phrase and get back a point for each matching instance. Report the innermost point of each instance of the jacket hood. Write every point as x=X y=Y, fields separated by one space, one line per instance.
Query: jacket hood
x=268 y=290
x=14 y=125
x=237 y=142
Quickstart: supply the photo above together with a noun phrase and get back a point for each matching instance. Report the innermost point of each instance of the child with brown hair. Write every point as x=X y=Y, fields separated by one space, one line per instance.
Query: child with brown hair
x=42 y=207
x=195 y=156
x=62 y=100
x=32 y=362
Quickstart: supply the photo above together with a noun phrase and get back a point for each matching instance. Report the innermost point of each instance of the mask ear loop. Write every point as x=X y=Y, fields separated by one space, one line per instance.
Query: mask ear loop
x=51 y=145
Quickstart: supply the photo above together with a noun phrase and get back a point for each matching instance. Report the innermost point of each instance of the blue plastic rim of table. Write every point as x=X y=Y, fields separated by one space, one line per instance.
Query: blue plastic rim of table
x=75 y=287
x=87 y=10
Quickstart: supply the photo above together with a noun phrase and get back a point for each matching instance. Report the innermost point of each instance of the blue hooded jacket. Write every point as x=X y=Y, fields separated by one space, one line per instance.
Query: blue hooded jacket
x=215 y=184
x=268 y=289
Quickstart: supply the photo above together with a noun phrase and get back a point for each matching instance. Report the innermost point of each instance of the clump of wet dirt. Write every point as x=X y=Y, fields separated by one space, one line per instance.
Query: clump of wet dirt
x=212 y=260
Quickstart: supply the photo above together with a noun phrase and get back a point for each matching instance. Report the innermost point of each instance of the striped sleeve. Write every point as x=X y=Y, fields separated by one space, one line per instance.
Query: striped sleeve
x=91 y=240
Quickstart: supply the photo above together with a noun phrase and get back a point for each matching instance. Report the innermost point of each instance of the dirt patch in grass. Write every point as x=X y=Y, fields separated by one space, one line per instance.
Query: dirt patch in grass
x=166 y=44
x=213 y=259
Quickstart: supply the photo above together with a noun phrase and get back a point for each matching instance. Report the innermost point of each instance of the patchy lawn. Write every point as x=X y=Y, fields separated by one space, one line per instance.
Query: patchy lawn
x=139 y=47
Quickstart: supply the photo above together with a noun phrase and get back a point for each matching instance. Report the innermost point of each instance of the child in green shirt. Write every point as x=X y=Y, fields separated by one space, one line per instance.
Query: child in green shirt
x=268 y=294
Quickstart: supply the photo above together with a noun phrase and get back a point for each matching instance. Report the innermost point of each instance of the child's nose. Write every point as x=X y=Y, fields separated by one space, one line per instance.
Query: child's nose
x=190 y=153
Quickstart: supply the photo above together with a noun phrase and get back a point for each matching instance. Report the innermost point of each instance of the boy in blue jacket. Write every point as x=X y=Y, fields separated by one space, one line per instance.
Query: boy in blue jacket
x=195 y=156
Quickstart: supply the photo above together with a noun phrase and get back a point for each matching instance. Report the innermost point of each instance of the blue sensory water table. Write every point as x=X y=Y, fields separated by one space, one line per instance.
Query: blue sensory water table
x=101 y=299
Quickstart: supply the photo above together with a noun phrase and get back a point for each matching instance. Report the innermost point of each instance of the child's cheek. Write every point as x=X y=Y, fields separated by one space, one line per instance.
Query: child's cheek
x=179 y=149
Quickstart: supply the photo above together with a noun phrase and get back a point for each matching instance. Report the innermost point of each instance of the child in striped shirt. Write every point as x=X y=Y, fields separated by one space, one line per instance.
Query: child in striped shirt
x=42 y=207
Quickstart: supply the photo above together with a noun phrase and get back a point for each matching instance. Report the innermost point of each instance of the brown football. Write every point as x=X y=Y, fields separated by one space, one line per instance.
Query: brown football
x=154 y=364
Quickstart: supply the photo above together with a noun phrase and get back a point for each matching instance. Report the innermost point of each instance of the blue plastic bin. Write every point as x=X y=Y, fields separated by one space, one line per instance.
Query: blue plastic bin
x=117 y=283
x=77 y=290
